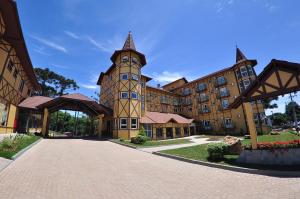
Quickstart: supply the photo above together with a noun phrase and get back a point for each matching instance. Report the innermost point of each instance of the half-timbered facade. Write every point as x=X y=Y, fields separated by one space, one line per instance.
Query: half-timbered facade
x=205 y=101
x=17 y=79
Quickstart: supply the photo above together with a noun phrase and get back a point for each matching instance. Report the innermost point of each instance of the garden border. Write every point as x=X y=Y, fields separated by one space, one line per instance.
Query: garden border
x=273 y=173
x=113 y=141
x=17 y=155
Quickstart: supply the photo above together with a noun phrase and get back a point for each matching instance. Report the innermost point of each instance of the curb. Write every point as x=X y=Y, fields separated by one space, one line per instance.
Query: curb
x=272 y=173
x=17 y=155
x=133 y=147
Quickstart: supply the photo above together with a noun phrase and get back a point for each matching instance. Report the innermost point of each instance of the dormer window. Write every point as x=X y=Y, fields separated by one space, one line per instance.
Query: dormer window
x=135 y=77
x=134 y=60
x=125 y=59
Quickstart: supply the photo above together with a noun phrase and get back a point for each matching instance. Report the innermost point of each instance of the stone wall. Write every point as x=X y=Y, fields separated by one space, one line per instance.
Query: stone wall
x=268 y=157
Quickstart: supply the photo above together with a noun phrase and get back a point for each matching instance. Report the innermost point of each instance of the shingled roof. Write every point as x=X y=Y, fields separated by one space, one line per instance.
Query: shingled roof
x=162 y=118
x=240 y=55
x=129 y=44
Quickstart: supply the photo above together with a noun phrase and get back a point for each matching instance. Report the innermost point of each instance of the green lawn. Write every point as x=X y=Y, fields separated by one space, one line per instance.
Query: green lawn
x=154 y=143
x=285 y=136
x=199 y=152
x=8 y=148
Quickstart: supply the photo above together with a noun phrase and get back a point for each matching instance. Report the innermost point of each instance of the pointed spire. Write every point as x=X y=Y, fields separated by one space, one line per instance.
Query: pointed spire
x=129 y=44
x=239 y=55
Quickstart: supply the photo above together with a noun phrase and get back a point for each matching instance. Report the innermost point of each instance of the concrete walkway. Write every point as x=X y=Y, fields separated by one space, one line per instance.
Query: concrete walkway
x=4 y=163
x=195 y=141
x=66 y=168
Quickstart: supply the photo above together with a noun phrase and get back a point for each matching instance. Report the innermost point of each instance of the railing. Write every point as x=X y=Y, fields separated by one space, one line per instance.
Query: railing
x=201 y=88
x=203 y=99
x=230 y=125
x=205 y=110
x=220 y=81
x=221 y=108
x=187 y=92
x=223 y=94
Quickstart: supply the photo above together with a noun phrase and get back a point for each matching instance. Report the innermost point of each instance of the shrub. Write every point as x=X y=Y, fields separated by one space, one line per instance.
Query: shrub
x=139 y=139
x=7 y=143
x=216 y=151
x=121 y=140
x=142 y=132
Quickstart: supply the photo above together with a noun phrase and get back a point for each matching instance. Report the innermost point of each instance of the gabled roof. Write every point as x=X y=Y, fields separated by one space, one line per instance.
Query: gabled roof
x=14 y=35
x=162 y=118
x=240 y=55
x=183 y=78
x=33 y=102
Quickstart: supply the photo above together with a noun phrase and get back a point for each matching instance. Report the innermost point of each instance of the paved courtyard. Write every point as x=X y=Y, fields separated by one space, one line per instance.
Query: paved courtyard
x=74 y=168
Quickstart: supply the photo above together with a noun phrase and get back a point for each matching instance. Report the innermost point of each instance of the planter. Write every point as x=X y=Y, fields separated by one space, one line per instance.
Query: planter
x=271 y=157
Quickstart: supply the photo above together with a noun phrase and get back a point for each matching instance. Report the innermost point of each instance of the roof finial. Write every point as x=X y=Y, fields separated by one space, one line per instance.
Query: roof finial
x=129 y=44
x=239 y=55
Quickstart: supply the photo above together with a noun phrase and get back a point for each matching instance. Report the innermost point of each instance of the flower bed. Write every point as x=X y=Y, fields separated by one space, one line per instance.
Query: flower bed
x=276 y=145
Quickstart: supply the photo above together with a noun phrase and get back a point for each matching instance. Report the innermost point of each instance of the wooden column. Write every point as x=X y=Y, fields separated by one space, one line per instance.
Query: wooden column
x=45 y=122
x=182 y=131
x=174 y=132
x=164 y=133
x=154 y=134
x=100 y=125
x=251 y=124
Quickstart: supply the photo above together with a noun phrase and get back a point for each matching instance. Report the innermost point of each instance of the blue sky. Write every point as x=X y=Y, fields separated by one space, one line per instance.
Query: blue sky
x=179 y=37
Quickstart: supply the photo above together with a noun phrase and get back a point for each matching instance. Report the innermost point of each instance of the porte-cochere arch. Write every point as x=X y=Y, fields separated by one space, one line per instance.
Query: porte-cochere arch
x=278 y=78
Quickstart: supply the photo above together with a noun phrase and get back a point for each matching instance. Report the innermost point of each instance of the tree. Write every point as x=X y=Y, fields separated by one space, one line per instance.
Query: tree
x=289 y=110
x=279 y=119
x=52 y=83
x=267 y=103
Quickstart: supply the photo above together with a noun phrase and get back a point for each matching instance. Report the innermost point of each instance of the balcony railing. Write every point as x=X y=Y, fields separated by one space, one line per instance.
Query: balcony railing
x=203 y=98
x=228 y=126
x=220 y=81
x=187 y=92
x=223 y=108
x=201 y=88
x=164 y=101
x=222 y=94
x=204 y=110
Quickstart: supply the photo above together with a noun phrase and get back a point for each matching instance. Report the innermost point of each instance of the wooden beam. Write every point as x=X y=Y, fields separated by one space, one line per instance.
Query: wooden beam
x=251 y=124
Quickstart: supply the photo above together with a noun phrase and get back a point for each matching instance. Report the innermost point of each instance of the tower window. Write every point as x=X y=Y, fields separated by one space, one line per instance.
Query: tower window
x=250 y=70
x=10 y=66
x=135 y=77
x=21 y=86
x=244 y=71
x=134 y=122
x=134 y=60
x=124 y=95
x=15 y=73
x=124 y=76
x=125 y=59
x=123 y=123
x=246 y=83
x=134 y=95
x=225 y=103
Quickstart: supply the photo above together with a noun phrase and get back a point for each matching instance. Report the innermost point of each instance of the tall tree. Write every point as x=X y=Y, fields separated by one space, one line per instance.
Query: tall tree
x=52 y=83
x=269 y=103
x=289 y=110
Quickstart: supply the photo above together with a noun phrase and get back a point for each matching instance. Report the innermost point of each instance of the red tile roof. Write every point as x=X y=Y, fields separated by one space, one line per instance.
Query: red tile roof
x=33 y=102
x=77 y=96
x=162 y=118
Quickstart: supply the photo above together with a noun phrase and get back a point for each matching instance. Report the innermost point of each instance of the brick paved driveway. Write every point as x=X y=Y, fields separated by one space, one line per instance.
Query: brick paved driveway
x=99 y=169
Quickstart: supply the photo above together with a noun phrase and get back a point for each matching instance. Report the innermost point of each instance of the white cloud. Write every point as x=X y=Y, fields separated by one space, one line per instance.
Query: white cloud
x=166 y=76
x=51 y=44
x=108 y=46
x=89 y=86
x=72 y=35
x=60 y=66
x=270 y=7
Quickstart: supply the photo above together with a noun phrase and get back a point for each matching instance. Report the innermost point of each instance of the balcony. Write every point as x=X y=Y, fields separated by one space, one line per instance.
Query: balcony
x=222 y=108
x=203 y=98
x=222 y=94
x=187 y=92
x=228 y=126
x=220 y=81
x=204 y=110
x=164 y=101
x=201 y=87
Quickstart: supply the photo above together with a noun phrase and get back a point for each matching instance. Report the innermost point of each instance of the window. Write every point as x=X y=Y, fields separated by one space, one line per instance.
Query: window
x=224 y=92
x=201 y=87
x=225 y=103
x=250 y=70
x=21 y=86
x=246 y=83
x=124 y=95
x=15 y=73
x=206 y=123
x=10 y=66
x=134 y=95
x=143 y=84
x=228 y=122
x=134 y=123
x=125 y=59
x=203 y=97
x=123 y=123
x=244 y=71
x=186 y=91
x=175 y=110
x=238 y=74
x=134 y=60
x=205 y=108
x=124 y=76
x=220 y=80
x=135 y=77
x=3 y=114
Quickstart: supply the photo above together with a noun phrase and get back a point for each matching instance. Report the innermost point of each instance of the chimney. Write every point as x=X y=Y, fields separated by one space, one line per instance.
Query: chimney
x=158 y=85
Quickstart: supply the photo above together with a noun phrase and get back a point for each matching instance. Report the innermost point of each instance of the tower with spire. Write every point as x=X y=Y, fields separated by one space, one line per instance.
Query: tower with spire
x=127 y=64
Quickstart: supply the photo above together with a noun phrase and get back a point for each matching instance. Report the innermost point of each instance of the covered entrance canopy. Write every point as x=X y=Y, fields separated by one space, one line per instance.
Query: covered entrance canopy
x=278 y=78
x=72 y=102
